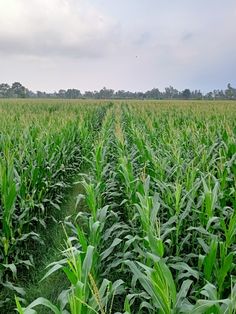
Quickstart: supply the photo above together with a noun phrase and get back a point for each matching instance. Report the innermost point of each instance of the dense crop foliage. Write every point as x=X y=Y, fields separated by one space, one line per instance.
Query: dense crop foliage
x=41 y=147
x=157 y=227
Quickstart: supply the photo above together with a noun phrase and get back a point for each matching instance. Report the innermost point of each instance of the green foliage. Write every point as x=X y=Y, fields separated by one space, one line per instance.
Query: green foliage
x=41 y=147
x=155 y=227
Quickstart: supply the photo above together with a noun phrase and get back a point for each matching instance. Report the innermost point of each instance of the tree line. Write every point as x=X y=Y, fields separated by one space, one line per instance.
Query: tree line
x=17 y=90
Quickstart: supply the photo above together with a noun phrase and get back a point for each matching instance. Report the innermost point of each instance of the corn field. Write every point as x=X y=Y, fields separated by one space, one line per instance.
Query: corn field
x=154 y=230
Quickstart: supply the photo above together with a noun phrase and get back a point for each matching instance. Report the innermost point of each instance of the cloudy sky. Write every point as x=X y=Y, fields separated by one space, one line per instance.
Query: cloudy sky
x=120 y=44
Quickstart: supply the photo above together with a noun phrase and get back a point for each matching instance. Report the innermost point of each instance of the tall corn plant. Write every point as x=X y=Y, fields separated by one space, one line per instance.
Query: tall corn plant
x=8 y=192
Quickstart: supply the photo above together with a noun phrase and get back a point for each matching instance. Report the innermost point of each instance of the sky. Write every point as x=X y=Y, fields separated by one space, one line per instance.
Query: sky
x=132 y=45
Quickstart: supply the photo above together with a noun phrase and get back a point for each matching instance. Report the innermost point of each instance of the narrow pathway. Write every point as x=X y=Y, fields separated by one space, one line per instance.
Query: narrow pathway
x=54 y=236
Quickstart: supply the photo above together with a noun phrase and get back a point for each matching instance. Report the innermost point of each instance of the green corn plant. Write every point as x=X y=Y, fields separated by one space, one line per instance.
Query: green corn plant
x=158 y=283
x=229 y=229
x=210 y=199
x=148 y=208
x=8 y=191
x=83 y=296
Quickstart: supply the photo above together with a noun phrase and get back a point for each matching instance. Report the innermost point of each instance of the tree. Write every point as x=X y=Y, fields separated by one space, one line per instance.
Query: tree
x=88 y=94
x=209 y=96
x=139 y=95
x=18 y=90
x=230 y=92
x=106 y=93
x=196 y=94
x=218 y=94
x=153 y=94
x=41 y=94
x=186 y=94
x=73 y=93
x=171 y=92
x=62 y=93
x=4 y=90
x=120 y=94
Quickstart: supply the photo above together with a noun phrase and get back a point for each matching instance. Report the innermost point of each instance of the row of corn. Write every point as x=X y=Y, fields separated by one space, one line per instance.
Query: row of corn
x=41 y=147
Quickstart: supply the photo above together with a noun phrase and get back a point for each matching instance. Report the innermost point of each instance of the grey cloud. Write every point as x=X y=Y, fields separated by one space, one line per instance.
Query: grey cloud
x=91 y=44
x=66 y=33
x=49 y=45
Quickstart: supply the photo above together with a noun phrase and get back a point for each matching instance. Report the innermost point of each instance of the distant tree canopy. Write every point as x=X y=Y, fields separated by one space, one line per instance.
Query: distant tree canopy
x=186 y=94
x=17 y=90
